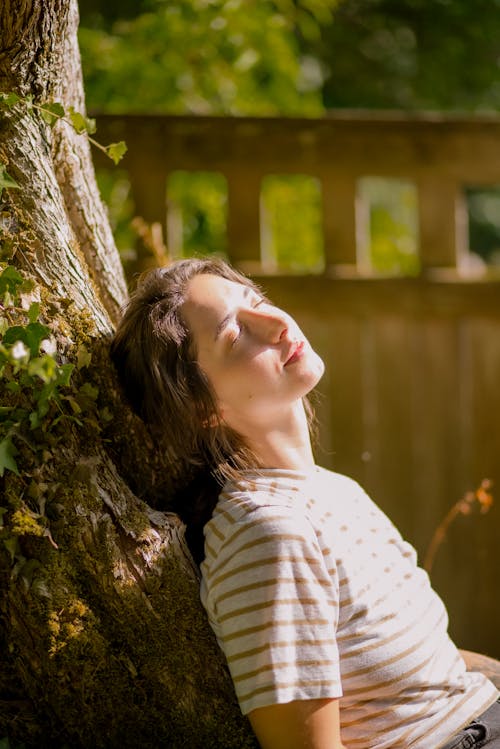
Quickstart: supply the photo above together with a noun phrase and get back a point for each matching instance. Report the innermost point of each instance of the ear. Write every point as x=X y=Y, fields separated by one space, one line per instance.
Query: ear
x=212 y=422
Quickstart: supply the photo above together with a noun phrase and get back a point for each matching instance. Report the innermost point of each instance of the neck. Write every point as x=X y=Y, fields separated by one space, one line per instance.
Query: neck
x=286 y=444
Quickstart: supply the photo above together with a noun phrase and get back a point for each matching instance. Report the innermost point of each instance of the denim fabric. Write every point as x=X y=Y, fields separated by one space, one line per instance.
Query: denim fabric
x=483 y=731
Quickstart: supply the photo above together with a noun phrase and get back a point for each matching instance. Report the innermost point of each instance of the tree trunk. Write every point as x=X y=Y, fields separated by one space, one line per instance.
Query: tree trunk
x=104 y=642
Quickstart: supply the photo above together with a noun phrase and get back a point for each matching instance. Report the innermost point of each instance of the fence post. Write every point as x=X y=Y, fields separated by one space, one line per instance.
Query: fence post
x=443 y=226
x=339 y=220
x=243 y=218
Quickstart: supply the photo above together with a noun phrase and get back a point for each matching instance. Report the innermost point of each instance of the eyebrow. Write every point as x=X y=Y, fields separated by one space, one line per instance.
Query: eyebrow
x=225 y=320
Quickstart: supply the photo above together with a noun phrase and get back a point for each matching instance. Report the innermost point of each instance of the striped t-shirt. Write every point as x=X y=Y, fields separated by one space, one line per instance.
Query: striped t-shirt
x=312 y=593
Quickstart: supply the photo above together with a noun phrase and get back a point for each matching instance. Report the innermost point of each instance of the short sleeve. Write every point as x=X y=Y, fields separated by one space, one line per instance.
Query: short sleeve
x=272 y=601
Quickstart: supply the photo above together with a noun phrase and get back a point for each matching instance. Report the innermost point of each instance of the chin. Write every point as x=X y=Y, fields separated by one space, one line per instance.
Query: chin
x=314 y=372
x=318 y=366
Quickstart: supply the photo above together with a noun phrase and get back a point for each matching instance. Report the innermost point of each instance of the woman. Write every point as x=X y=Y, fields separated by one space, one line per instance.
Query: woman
x=332 y=634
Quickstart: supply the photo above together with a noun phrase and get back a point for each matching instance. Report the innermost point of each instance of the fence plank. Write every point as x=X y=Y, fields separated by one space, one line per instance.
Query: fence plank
x=391 y=443
x=442 y=222
x=435 y=389
x=345 y=407
x=339 y=220
x=243 y=223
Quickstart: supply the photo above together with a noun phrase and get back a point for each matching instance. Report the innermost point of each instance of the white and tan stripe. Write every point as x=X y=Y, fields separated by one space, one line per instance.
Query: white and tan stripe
x=312 y=593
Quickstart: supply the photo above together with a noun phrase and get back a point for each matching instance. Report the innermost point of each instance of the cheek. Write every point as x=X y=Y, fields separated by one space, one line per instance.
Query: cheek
x=247 y=379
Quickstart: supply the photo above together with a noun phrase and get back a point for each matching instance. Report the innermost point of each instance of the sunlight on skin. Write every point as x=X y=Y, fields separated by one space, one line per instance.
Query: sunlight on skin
x=301 y=724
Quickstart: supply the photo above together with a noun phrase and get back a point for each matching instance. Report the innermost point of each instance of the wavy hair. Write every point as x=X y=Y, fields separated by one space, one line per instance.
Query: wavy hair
x=155 y=358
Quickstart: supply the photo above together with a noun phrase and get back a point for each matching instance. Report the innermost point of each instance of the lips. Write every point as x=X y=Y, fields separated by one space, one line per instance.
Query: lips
x=295 y=352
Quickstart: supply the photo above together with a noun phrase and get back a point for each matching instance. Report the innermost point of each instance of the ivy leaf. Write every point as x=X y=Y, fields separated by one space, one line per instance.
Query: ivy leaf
x=13 y=334
x=10 y=279
x=32 y=335
x=105 y=414
x=75 y=406
x=12 y=546
x=43 y=367
x=7 y=453
x=9 y=100
x=7 y=182
x=116 y=151
x=89 y=391
x=84 y=357
x=34 y=420
x=34 y=311
x=36 y=333
x=52 y=112
x=81 y=123
x=64 y=375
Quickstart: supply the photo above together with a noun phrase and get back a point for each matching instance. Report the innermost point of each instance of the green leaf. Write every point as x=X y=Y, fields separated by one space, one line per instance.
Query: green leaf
x=7 y=453
x=12 y=546
x=32 y=335
x=116 y=151
x=89 y=391
x=83 y=357
x=34 y=420
x=34 y=311
x=64 y=375
x=9 y=100
x=46 y=394
x=13 y=334
x=10 y=279
x=75 y=406
x=51 y=112
x=7 y=182
x=105 y=414
x=44 y=367
x=81 y=123
x=36 y=332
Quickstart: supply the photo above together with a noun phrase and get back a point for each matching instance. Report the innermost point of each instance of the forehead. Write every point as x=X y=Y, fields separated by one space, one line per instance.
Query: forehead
x=208 y=300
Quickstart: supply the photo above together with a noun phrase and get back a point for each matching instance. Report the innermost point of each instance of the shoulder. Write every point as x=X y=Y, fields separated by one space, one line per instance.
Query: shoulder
x=341 y=490
x=263 y=535
x=264 y=501
x=257 y=524
x=338 y=481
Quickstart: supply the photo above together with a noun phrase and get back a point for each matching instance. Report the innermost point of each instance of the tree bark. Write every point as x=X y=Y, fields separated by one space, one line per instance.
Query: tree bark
x=104 y=642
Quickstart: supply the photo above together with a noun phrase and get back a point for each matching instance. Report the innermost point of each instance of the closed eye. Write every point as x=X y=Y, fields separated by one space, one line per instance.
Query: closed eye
x=240 y=326
x=235 y=338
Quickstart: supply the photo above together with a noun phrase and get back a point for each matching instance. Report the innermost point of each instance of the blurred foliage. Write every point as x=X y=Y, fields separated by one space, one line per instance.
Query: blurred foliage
x=291 y=223
x=203 y=56
x=412 y=54
x=287 y=57
x=484 y=224
x=390 y=226
x=197 y=203
x=116 y=192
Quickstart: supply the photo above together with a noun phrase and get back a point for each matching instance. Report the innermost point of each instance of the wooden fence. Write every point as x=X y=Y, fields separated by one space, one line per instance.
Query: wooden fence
x=410 y=403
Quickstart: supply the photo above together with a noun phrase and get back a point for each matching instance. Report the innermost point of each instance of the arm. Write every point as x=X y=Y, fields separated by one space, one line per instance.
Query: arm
x=483 y=663
x=301 y=724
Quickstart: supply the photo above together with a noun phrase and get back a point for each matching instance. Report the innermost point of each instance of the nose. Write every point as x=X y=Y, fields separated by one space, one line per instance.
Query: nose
x=270 y=325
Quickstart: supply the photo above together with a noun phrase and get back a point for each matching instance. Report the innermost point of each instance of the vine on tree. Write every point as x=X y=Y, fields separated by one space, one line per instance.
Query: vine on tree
x=52 y=112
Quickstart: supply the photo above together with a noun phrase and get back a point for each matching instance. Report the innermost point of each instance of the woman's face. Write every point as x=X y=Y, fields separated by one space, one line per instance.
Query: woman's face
x=254 y=354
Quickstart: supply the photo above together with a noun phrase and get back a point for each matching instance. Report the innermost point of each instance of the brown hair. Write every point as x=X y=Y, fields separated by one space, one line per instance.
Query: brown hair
x=155 y=358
